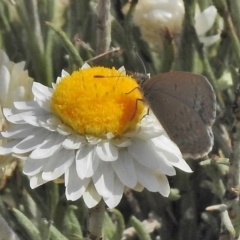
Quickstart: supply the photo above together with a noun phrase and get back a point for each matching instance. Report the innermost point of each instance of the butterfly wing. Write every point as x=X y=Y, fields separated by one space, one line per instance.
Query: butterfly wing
x=185 y=105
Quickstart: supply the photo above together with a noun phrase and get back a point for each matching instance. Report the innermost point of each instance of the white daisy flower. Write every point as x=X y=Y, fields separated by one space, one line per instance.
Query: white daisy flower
x=204 y=22
x=154 y=17
x=15 y=85
x=90 y=128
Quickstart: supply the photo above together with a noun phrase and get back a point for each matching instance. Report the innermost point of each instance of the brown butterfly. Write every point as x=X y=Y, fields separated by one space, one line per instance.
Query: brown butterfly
x=185 y=105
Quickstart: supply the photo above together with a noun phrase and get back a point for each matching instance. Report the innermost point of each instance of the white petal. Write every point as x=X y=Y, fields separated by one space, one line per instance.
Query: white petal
x=6 y=148
x=36 y=111
x=164 y=187
x=181 y=164
x=50 y=145
x=64 y=130
x=18 y=131
x=30 y=105
x=34 y=166
x=32 y=120
x=53 y=120
x=48 y=126
x=172 y=157
x=86 y=161
x=122 y=70
x=147 y=178
x=103 y=179
x=148 y=133
x=107 y=151
x=44 y=104
x=208 y=41
x=75 y=187
x=13 y=116
x=138 y=188
x=165 y=166
x=73 y=141
x=85 y=66
x=57 y=164
x=124 y=169
x=64 y=73
x=163 y=143
x=31 y=142
x=17 y=116
x=122 y=142
x=205 y=20
x=42 y=121
x=91 y=197
x=36 y=181
x=4 y=84
x=144 y=153
x=59 y=79
x=41 y=92
x=117 y=193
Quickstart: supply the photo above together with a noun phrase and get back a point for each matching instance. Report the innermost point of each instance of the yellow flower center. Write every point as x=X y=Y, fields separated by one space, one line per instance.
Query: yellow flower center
x=98 y=100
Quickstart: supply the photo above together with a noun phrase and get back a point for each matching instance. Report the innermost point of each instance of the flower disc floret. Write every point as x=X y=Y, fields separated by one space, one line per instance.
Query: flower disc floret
x=96 y=101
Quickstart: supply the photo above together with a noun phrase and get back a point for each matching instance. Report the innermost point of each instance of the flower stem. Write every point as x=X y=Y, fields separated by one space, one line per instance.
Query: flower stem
x=103 y=26
x=225 y=14
x=186 y=53
x=32 y=9
x=95 y=221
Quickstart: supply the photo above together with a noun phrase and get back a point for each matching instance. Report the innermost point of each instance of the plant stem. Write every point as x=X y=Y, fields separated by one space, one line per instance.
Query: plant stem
x=103 y=26
x=95 y=221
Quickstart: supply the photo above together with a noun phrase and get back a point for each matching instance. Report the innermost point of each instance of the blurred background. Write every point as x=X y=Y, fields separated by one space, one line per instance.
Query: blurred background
x=147 y=36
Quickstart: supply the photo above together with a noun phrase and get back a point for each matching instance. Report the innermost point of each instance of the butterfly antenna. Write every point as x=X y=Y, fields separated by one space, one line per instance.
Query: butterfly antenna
x=141 y=61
